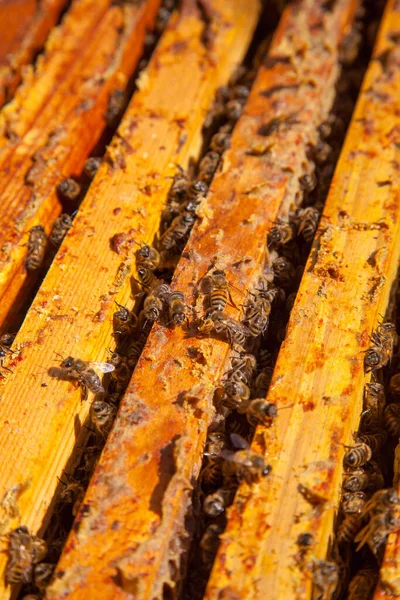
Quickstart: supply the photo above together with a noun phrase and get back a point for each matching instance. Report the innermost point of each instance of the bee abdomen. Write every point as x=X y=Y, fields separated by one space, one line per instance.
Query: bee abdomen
x=392 y=419
x=358 y=455
x=348 y=529
x=362 y=584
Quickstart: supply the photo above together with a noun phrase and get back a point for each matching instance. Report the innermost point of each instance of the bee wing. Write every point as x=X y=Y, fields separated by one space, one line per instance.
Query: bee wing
x=239 y=442
x=244 y=329
x=227 y=455
x=103 y=366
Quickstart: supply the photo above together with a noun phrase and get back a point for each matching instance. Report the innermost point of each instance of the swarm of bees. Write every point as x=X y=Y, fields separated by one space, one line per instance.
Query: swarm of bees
x=369 y=511
x=26 y=553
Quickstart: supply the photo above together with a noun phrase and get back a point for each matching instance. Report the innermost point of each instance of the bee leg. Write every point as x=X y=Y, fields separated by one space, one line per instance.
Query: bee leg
x=90 y=429
x=4 y=367
x=84 y=392
x=231 y=302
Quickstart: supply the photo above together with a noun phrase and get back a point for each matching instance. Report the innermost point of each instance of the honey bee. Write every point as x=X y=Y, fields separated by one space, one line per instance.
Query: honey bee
x=90 y=457
x=6 y=340
x=375 y=358
x=374 y=440
x=220 y=142
x=322 y=152
x=211 y=475
x=216 y=441
x=380 y=353
x=135 y=349
x=178 y=230
x=115 y=107
x=235 y=393
x=154 y=303
x=196 y=191
x=172 y=210
x=245 y=464
x=374 y=534
x=357 y=455
x=356 y=480
x=222 y=323
x=308 y=182
x=24 y=552
x=208 y=166
x=284 y=271
x=91 y=166
x=148 y=257
x=394 y=385
x=209 y=543
x=124 y=321
x=121 y=374
x=374 y=398
x=281 y=233
x=69 y=188
x=259 y=411
x=102 y=416
x=325 y=578
x=392 y=419
x=72 y=493
x=233 y=110
x=240 y=92
x=177 y=307
x=216 y=503
x=348 y=529
x=36 y=248
x=243 y=367
x=257 y=315
x=60 y=228
x=147 y=278
x=381 y=501
x=42 y=575
x=263 y=381
x=385 y=334
x=179 y=187
x=309 y=218
x=353 y=503
x=83 y=372
x=362 y=585
x=218 y=291
x=265 y=359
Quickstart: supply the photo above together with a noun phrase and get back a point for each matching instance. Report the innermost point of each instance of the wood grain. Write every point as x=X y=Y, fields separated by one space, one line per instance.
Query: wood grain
x=54 y=121
x=320 y=373
x=72 y=312
x=130 y=535
x=25 y=25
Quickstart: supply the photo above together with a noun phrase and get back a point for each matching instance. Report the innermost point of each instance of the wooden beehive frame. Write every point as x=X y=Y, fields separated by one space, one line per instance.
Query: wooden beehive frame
x=163 y=419
x=130 y=537
x=167 y=132
x=320 y=370
x=24 y=30
x=55 y=120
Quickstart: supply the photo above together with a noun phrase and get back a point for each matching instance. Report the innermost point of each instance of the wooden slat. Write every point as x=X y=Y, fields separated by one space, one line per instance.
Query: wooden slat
x=388 y=586
x=320 y=371
x=72 y=313
x=58 y=113
x=25 y=25
x=131 y=540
